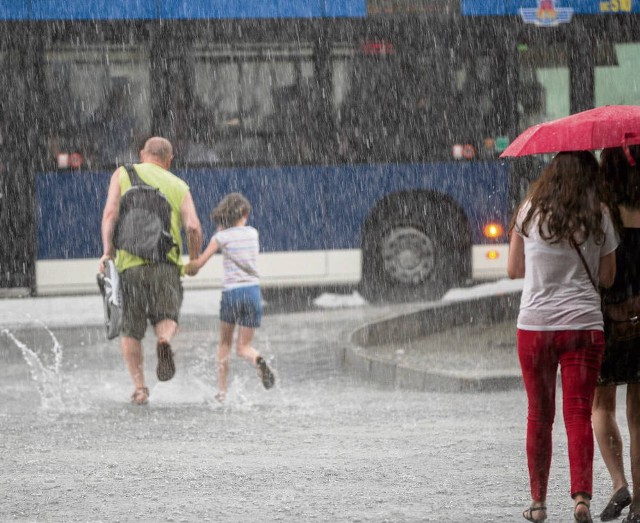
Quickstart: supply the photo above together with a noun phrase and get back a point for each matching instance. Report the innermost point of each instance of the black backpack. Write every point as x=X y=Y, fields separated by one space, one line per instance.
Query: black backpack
x=144 y=223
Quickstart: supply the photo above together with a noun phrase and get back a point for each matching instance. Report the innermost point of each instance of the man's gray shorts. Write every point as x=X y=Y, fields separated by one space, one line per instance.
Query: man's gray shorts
x=152 y=292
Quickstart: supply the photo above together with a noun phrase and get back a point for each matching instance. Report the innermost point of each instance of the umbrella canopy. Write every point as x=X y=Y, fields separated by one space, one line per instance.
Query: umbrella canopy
x=609 y=126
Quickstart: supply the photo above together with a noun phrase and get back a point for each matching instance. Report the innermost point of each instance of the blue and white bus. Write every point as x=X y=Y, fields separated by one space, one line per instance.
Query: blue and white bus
x=366 y=133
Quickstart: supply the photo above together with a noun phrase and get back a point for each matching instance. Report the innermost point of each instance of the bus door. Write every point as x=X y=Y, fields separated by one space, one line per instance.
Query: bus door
x=17 y=258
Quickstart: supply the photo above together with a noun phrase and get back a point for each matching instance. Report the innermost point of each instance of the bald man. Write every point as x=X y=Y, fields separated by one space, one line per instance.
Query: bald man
x=151 y=290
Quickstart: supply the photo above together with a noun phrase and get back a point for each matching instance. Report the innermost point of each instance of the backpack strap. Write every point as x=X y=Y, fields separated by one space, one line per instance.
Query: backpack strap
x=134 y=178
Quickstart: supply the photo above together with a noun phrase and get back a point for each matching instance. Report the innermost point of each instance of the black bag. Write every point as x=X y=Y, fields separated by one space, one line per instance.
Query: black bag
x=623 y=319
x=144 y=223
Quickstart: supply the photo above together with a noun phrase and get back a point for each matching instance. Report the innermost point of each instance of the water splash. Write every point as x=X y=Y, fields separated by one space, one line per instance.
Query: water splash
x=55 y=391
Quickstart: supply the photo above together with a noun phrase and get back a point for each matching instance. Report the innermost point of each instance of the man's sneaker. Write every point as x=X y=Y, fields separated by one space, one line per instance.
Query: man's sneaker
x=166 y=367
x=267 y=377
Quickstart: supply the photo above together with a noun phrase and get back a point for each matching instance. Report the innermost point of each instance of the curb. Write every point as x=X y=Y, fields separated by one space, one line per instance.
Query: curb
x=437 y=318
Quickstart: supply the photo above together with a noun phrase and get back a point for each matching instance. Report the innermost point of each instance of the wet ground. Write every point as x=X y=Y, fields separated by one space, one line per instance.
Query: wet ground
x=476 y=350
x=318 y=447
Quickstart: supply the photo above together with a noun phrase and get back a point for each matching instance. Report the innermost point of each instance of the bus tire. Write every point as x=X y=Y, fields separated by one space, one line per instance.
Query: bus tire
x=414 y=249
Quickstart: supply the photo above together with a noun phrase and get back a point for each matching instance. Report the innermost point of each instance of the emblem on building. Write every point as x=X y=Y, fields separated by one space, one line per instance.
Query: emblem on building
x=546 y=14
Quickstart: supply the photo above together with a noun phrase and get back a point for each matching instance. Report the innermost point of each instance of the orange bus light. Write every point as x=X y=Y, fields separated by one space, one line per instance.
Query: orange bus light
x=493 y=254
x=493 y=230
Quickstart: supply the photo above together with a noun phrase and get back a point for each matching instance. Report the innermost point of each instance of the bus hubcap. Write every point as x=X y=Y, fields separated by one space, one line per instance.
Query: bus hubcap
x=408 y=255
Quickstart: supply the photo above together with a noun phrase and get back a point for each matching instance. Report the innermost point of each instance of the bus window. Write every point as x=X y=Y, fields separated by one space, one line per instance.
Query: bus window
x=618 y=84
x=543 y=93
x=385 y=104
x=395 y=105
x=250 y=105
x=98 y=105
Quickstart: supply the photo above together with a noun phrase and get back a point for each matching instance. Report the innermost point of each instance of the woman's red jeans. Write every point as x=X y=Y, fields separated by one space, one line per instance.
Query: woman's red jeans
x=579 y=354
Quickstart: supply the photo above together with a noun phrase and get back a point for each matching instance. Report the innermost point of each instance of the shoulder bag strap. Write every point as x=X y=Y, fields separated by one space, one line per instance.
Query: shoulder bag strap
x=242 y=266
x=586 y=267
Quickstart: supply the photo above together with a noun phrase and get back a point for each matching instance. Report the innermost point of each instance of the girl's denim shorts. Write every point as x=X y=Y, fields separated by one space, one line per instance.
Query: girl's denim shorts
x=242 y=306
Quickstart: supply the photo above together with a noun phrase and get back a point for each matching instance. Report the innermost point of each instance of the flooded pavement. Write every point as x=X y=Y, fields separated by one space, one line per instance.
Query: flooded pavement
x=477 y=349
x=320 y=446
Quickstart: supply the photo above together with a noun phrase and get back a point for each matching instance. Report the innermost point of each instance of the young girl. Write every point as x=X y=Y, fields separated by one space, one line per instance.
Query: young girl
x=241 y=301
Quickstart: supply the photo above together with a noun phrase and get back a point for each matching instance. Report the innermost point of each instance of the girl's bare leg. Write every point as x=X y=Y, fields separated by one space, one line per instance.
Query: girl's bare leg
x=244 y=348
x=633 y=420
x=222 y=356
x=608 y=434
x=246 y=351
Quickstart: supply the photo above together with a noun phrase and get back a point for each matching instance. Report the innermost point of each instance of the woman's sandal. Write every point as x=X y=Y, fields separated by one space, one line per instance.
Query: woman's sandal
x=620 y=499
x=140 y=396
x=585 y=518
x=528 y=514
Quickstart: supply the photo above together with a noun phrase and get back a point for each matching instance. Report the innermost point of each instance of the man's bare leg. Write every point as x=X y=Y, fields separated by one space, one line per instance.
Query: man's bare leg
x=133 y=357
x=132 y=352
x=165 y=330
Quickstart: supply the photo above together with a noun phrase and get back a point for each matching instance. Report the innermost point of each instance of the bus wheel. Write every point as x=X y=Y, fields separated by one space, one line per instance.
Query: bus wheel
x=414 y=250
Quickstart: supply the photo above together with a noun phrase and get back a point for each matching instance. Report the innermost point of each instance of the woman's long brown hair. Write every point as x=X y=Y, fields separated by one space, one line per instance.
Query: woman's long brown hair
x=568 y=199
x=622 y=178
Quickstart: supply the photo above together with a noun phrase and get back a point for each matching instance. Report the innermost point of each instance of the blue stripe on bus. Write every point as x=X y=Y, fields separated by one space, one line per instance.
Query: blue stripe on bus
x=12 y=10
x=177 y=9
x=288 y=203
x=512 y=7
x=261 y=9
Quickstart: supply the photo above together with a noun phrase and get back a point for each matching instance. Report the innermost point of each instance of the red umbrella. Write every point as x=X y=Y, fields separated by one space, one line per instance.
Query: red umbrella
x=609 y=126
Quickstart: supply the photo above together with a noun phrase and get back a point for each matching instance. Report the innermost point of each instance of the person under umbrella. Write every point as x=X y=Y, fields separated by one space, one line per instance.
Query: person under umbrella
x=621 y=360
x=562 y=241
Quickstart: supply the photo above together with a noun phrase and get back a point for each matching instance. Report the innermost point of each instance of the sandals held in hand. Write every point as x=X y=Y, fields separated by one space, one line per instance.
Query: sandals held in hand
x=528 y=514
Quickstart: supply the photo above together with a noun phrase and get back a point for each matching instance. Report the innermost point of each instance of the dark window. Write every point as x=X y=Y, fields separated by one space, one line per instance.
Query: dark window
x=251 y=104
x=98 y=104
x=407 y=104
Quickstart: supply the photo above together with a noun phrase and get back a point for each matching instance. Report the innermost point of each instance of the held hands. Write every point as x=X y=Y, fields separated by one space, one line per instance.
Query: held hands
x=191 y=268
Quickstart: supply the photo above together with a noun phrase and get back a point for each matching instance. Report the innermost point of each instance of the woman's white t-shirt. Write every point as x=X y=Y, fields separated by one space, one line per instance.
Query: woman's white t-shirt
x=557 y=292
x=241 y=244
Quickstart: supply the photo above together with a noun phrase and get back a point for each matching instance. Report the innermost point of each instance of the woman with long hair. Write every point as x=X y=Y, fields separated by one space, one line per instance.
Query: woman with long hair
x=562 y=242
x=621 y=360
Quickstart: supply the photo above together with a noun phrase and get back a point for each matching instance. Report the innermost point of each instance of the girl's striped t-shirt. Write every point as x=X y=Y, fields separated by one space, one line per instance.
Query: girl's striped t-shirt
x=241 y=244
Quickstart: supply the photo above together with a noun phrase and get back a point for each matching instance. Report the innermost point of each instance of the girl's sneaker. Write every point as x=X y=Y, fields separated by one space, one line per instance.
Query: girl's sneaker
x=265 y=374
